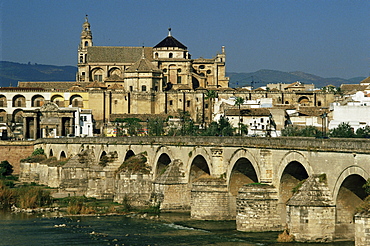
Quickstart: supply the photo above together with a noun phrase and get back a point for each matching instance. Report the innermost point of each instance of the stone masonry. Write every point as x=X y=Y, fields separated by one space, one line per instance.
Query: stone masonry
x=257 y=208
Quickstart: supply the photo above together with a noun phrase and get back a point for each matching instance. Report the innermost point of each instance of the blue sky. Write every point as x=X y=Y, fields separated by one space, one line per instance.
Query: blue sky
x=328 y=38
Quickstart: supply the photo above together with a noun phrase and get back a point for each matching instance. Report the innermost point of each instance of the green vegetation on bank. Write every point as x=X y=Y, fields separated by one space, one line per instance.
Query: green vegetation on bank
x=344 y=130
x=184 y=126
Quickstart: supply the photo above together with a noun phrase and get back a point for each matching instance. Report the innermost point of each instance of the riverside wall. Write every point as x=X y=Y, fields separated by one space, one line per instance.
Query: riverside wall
x=14 y=151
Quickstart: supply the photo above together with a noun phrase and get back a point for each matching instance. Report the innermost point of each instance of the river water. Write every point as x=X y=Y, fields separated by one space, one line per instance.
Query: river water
x=170 y=229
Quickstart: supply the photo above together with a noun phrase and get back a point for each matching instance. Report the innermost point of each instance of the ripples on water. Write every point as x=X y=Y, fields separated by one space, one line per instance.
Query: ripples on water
x=172 y=229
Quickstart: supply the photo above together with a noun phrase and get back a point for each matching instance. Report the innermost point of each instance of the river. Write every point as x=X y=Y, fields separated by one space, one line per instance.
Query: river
x=170 y=229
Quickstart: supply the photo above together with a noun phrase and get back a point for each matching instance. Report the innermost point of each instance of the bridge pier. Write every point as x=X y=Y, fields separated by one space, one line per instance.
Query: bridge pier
x=311 y=212
x=257 y=208
x=210 y=199
x=170 y=188
x=362 y=232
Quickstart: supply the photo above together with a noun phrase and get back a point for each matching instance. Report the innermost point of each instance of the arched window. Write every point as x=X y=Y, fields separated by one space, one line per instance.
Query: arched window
x=81 y=58
x=76 y=101
x=170 y=55
x=143 y=88
x=37 y=101
x=2 y=101
x=156 y=55
x=19 y=101
x=86 y=43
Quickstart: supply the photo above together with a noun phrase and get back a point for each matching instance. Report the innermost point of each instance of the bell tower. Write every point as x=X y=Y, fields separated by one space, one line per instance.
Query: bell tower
x=86 y=41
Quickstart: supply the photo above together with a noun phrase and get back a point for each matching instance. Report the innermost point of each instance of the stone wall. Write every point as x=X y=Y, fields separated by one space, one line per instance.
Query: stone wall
x=136 y=188
x=362 y=231
x=210 y=199
x=14 y=151
x=311 y=211
x=41 y=174
x=256 y=207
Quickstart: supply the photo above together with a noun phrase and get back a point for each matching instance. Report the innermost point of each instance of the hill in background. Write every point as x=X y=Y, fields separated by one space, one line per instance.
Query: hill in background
x=12 y=72
x=265 y=76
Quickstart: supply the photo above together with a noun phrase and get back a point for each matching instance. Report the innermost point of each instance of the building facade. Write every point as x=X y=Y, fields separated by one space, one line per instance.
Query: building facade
x=121 y=82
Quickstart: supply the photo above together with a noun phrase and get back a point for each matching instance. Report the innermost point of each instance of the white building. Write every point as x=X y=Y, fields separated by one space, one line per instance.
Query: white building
x=356 y=113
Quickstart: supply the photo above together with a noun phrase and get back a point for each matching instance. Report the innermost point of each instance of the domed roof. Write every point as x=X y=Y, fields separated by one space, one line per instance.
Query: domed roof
x=170 y=41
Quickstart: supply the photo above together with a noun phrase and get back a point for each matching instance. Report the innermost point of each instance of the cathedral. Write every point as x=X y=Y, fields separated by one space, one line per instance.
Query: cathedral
x=145 y=81
x=132 y=82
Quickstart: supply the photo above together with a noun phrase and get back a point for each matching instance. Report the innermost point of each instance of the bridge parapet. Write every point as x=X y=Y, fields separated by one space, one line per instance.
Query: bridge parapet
x=297 y=143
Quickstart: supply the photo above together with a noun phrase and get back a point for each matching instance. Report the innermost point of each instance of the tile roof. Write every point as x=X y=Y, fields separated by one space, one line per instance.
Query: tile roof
x=117 y=54
x=57 y=85
x=352 y=87
x=96 y=84
x=114 y=77
x=142 y=65
x=76 y=87
x=170 y=41
x=366 y=81
x=311 y=111
x=115 y=86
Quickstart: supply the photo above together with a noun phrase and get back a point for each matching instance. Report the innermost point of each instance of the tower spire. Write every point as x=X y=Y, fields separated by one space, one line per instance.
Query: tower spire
x=169 y=32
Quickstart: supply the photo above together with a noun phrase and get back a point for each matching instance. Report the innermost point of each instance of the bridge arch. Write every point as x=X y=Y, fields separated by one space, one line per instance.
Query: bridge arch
x=129 y=153
x=162 y=159
x=294 y=168
x=62 y=155
x=242 y=169
x=348 y=194
x=352 y=170
x=290 y=157
x=199 y=159
x=199 y=167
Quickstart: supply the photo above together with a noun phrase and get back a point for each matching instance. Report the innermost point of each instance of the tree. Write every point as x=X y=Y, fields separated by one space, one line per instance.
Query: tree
x=363 y=132
x=210 y=96
x=307 y=131
x=238 y=102
x=220 y=128
x=6 y=169
x=344 y=130
x=132 y=125
x=155 y=127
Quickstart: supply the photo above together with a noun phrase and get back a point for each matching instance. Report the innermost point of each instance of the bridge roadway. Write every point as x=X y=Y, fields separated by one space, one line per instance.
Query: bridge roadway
x=281 y=162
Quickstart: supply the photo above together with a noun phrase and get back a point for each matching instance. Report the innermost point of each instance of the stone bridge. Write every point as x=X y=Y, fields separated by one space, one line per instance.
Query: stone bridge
x=248 y=179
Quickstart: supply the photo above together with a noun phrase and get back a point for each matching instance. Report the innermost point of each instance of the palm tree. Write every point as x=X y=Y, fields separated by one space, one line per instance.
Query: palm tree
x=211 y=95
x=238 y=102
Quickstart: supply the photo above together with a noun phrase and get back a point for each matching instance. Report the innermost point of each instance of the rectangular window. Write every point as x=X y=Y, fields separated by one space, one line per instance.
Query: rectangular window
x=1 y=119
x=131 y=88
x=206 y=106
x=261 y=120
x=179 y=79
x=98 y=78
x=171 y=102
x=188 y=103
x=1 y=103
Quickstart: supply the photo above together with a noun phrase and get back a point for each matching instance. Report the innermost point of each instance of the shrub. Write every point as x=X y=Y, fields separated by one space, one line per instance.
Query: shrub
x=5 y=169
x=6 y=195
x=135 y=164
x=77 y=206
x=32 y=197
